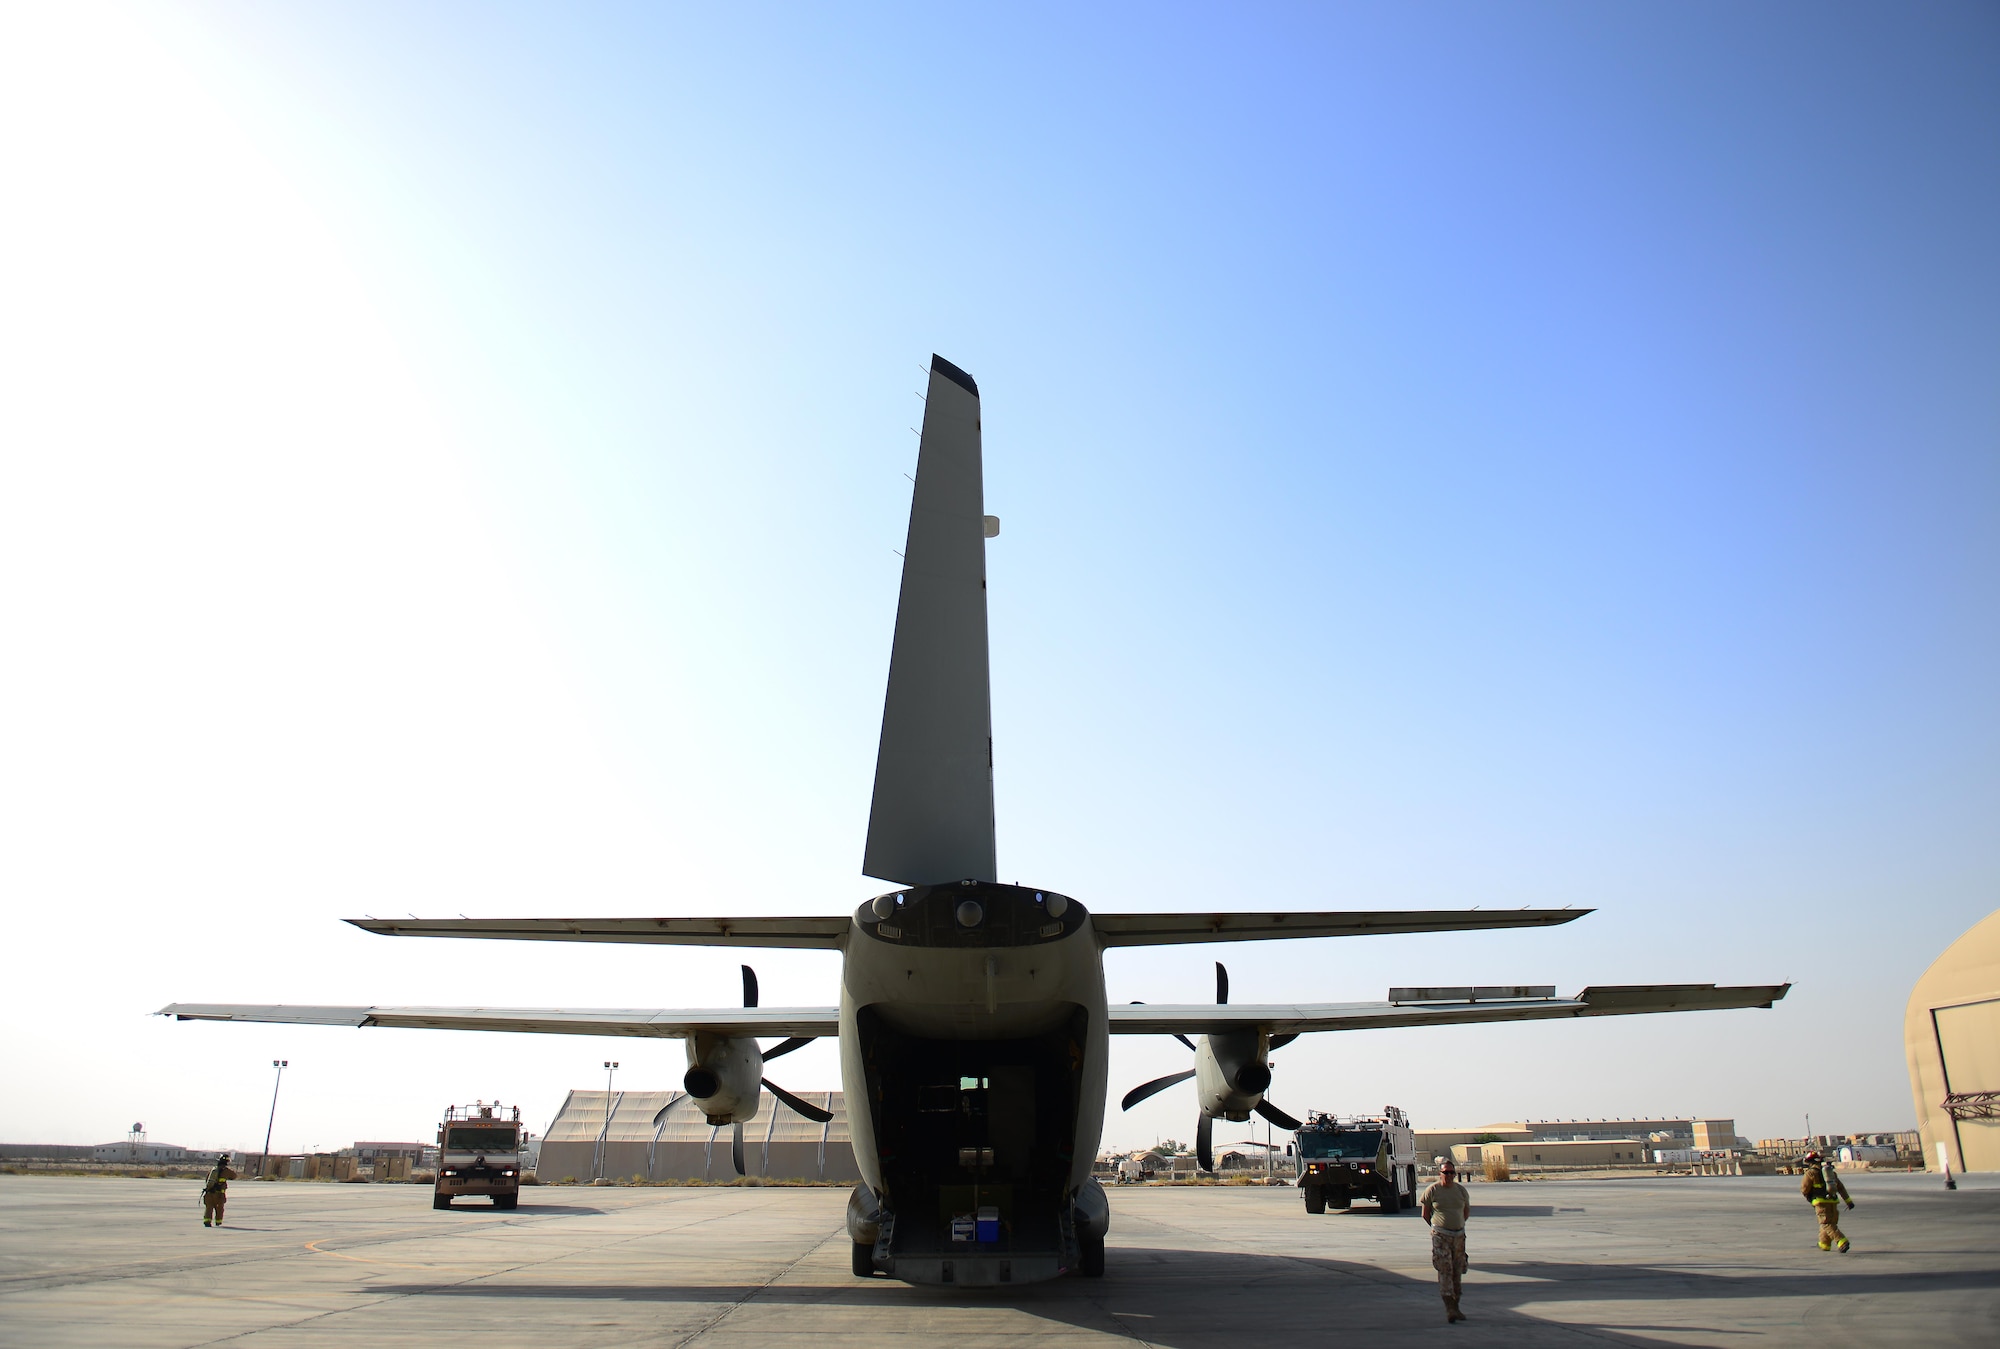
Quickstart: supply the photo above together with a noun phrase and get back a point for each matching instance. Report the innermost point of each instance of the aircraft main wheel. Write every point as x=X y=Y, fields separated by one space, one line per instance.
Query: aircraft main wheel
x=864 y=1261
x=440 y=1201
x=1092 y=1266
x=1315 y=1200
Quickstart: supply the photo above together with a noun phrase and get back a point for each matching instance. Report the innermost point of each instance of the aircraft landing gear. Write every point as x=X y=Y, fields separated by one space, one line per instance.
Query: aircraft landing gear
x=864 y=1261
x=1092 y=1264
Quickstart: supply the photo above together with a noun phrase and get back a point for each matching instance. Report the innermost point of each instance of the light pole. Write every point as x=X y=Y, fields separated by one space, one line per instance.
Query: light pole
x=604 y=1135
x=265 y=1156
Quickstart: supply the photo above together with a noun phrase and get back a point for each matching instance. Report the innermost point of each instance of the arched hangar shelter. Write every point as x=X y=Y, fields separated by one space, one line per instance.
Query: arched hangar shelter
x=1951 y=1035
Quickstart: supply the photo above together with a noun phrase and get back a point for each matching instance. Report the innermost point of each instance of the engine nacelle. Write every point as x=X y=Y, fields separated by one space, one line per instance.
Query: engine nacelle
x=1232 y=1072
x=725 y=1076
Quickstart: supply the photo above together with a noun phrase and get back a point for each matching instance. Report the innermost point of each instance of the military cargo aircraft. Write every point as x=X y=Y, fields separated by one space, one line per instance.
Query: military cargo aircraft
x=973 y=1025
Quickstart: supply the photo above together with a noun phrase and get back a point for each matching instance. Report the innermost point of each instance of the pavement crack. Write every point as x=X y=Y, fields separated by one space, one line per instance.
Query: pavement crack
x=750 y=1294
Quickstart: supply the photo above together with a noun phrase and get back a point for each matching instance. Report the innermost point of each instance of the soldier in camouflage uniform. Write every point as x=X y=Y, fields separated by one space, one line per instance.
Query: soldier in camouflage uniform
x=1445 y=1206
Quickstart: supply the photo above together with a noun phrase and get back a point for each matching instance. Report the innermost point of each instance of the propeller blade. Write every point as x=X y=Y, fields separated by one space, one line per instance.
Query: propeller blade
x=1153 y=1088
x=796 y=1042
x=1176 y=1034
x=1280 y=1041
x=807 y=1108
x=662 y=1113
x=1221 y=983
x=749 y=987
x=1204 y=1142
x=1276 y=1116
x=736 y=1149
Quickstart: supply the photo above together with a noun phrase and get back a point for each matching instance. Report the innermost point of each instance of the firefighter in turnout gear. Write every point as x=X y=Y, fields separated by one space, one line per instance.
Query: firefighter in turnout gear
x=215 y=1192
x=1825 y=1191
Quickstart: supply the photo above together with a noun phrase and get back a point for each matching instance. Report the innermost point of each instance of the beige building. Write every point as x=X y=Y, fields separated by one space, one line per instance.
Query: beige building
x=1717 y=1135
x=1951 y=1036
x=1549 y=1152
x=632 y=1144
x=1714 y=1135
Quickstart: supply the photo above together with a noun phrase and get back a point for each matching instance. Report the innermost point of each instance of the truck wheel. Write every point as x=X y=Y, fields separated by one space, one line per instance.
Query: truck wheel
x=1342 y=1200
x=506 y=1201
x=440 y=1201
x=864 y=1261
x=1315 y=1200
x=1392 y=1198
x=1092 y=1265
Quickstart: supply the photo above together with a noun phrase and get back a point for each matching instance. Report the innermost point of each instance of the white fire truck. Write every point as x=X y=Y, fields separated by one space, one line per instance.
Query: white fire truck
x=479 y=1152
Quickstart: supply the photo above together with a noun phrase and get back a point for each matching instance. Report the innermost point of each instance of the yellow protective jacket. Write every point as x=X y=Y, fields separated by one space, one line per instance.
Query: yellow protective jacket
x=1821 y=1184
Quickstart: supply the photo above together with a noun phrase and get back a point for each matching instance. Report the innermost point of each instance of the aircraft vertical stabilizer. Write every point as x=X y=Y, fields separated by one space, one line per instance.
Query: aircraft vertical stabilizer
x=932 y=816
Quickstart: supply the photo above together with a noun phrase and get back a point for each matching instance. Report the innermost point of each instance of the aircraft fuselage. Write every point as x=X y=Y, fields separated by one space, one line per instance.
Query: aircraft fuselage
x=974 y=1054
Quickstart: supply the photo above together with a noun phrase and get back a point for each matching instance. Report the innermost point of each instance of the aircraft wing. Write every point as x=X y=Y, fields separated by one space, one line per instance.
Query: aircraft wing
x=1163 y=929
x=1424 y=1010
x=805 y=1022
x=816 y=932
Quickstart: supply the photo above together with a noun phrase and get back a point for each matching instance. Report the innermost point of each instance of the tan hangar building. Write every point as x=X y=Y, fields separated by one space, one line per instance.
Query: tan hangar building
x=1951 y=1036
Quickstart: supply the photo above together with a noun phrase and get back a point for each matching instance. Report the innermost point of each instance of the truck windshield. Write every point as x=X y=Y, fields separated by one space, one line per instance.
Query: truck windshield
x=1362 y=1144
x=479 y=1140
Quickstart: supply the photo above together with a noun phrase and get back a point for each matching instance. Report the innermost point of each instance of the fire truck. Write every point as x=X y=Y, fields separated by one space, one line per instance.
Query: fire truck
x=1345 y=1157
x=479 y=1152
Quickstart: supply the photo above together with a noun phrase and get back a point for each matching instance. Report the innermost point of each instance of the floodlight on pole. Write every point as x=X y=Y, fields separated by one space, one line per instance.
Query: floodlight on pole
x=265 y=1156
x=604 y=1134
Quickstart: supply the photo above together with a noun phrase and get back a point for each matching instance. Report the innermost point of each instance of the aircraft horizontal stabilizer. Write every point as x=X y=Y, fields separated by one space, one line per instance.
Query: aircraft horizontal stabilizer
x=1204 y=1018
x=817 y=932
x=801 y=1022
x=1164 y=929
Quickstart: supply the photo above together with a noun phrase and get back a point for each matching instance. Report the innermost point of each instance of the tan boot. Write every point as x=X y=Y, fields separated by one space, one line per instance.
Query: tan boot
x=1452 y=1313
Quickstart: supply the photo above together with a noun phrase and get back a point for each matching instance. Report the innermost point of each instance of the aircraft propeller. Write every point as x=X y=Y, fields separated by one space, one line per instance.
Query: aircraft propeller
x=797 y=1103
x=803 y=1107
x=1204 y=1122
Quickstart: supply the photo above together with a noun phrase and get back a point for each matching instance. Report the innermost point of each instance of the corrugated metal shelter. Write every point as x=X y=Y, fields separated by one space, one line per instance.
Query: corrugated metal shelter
x=584 y=1144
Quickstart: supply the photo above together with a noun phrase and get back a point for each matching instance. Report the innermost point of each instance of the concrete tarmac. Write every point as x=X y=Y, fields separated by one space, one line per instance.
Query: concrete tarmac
x=1723 y=1261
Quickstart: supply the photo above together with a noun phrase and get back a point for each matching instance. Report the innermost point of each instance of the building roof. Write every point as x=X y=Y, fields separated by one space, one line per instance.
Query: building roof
x=581 y=1119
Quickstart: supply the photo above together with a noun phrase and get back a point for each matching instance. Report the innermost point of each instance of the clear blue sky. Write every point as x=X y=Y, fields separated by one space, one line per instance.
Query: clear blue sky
x=1449 y=455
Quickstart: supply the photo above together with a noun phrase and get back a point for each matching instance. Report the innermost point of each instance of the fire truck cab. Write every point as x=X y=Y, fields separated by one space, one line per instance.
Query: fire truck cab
x=1342 y=1158
x=479 y=1152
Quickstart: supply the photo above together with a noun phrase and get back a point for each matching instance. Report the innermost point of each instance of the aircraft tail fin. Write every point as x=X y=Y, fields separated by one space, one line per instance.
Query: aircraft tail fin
x=932 y=816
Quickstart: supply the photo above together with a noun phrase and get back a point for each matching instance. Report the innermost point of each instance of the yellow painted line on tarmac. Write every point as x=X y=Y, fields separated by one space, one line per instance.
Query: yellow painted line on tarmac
x=317 y=1249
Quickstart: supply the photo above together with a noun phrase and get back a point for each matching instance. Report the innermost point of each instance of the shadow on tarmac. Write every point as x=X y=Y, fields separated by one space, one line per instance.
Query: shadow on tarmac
x=1207 y=1300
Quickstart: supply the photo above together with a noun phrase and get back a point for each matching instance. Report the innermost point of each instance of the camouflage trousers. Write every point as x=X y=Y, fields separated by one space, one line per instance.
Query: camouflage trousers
x=1448 y=1258
x=1829 y=1223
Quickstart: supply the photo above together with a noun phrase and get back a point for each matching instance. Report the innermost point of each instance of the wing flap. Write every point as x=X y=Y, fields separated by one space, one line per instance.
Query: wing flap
x=814 y=932
x=803 y=1022
x=1165 y=929
x=1305 y=1018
